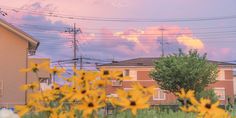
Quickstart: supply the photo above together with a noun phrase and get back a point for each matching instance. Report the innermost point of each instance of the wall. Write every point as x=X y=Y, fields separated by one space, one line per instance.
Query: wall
x=13 y=53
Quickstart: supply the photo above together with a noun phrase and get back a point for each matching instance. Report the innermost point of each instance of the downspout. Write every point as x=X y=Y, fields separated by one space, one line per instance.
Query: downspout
x=26 y=74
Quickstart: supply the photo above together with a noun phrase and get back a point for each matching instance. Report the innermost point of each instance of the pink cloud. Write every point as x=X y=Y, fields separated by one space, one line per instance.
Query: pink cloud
x=190 y=43
x=149 y=38
x=225 y=51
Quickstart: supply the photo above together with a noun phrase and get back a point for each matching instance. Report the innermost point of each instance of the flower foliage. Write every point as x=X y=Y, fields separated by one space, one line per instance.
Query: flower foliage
x=83 y=94
x=204 y=107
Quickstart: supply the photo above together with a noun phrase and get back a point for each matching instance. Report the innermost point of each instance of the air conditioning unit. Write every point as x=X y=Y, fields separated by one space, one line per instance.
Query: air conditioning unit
x=116 y=83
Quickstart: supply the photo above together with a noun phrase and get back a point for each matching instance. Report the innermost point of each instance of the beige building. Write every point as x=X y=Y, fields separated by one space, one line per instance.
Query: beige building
x=15 y=47
x=139 y=68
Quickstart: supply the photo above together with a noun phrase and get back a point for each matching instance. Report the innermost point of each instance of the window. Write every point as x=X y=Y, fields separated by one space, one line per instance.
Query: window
x=1 y=88
x=221 y=75
x=116 y=83
x=126 y=72
x=159 y=94
x=131 y=73
x=220 y=92
x=45 y=83
x=45 y=80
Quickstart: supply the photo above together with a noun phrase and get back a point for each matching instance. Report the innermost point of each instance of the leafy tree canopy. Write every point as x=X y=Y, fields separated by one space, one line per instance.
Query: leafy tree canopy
x=190 y=71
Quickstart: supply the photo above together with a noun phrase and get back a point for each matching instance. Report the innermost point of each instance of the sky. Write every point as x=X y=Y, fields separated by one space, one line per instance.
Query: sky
x=131 y=29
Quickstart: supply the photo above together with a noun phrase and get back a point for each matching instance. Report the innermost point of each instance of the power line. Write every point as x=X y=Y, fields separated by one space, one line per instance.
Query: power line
x=88 y=18
x=56 y=27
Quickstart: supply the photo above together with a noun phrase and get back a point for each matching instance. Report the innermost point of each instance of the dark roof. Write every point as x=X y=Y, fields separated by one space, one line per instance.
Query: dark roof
x=148 y=62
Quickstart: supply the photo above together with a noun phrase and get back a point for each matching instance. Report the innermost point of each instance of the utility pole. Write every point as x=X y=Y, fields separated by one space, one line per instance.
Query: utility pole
x=162 y=42
x=75 y=31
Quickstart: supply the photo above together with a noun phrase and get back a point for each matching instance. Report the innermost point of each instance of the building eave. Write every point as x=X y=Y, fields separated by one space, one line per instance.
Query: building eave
x=33 y=43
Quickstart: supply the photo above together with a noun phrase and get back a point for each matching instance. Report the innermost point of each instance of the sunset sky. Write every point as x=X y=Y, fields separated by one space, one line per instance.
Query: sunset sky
x=123 y=29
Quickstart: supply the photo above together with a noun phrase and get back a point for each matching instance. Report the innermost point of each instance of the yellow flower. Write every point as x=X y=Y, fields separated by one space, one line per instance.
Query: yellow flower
x=23 y=109
x=145 y=90
x=217 y=113
x=132 y=100
x=134 y=104
x=83 y=73
x=100 y=84
x=32 y=86
x=184 y=95
x=32 y=68
x=75 y=94
x=188 y=108
x=208 y=110
x=56 y=71
x=109 y=74
x=45 y=96
x=89 y=105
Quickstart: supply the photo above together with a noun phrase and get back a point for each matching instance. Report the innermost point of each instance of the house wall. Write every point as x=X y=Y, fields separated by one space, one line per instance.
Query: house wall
x=234 y=81
x=145 y=80
x=13 y=56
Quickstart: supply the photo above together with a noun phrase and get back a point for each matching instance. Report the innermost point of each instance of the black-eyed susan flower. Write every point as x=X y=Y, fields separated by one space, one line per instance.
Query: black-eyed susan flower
x=100 y=84
x=183 y=94
x=34 y=67
x=56 y=71
x=32 y=86
x=131 y=100
x=145 y=90
x=210 y=110
x=134 y=104
x=90 y=105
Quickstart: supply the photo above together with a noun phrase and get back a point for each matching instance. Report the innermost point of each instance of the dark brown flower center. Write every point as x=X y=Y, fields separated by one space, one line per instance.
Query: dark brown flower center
x=90 y=105
x=54 y=72
x=35 y=69
x=82 y=78
x=132 y=103
x=106 y=72
x=74 y=89
x=121 y=75
x=208 y=106
x=129 y=96
x=83 y=92
x=100 y=85
x=181 y=101
x=31 y=86
x=57 y=88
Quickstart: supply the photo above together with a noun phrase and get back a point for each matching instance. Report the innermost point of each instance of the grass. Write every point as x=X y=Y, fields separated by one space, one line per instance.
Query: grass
x=148 y=113
x=152 y=113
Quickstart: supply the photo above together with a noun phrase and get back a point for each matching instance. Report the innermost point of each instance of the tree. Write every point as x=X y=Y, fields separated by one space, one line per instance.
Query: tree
x=190 y=71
